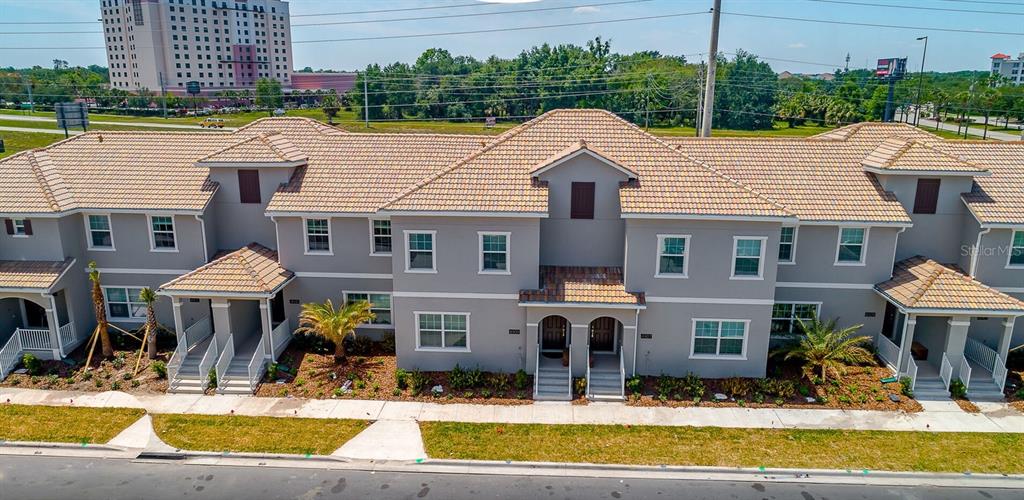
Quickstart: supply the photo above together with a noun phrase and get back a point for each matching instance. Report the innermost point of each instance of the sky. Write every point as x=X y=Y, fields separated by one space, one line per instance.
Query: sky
x=795 y=46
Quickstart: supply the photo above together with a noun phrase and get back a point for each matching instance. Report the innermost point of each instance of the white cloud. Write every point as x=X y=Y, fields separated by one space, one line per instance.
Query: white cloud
x=589 y=9
x=797 y=45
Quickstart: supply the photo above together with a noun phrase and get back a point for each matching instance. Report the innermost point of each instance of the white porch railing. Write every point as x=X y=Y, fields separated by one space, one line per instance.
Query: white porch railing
x=536 y=372
x=197 y=331
x=209 y=358
x=174 y=364
x=68 y=338
x=912 y=373
x=965 y=372
x=256 y=368
x=10 y=355
x=34 y=339
x=980 y=353
x=587 y=392
x=622 y=372
x=224 y=361
x=572 y=385
x=279 y=336
x=888 y=351
x=946 y=371
x=999 y=373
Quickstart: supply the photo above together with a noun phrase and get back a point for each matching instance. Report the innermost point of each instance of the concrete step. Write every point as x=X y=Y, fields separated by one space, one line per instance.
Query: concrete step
x=606 y=397
x=552 y=396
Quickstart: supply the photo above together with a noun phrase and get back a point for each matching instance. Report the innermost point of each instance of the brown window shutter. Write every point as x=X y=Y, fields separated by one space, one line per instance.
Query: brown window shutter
x=582 y=200
x=10 y=226
x=28 y=227
x=927 y=197
x=249 y=186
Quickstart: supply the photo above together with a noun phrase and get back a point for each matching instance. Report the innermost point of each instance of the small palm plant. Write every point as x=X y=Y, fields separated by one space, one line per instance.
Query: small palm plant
x=149 y=297
x=334 y=324
x=826 y=351
x=100 y=308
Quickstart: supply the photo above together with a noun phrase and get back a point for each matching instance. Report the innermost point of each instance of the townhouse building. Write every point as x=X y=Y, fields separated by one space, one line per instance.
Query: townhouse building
x=574 y=245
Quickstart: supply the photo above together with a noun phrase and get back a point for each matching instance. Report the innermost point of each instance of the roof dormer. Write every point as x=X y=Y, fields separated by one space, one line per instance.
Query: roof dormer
x=906 y=156
x=268 y=150
x=578 y=148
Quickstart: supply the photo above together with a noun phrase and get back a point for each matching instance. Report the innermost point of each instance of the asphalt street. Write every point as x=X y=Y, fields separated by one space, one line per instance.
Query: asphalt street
x=30 y=477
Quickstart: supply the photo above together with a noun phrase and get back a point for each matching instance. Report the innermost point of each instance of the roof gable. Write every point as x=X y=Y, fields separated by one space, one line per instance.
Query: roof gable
x=250 y=270
x=264 y=149
x=902 y=155
x=580 y=148
x=921 y=284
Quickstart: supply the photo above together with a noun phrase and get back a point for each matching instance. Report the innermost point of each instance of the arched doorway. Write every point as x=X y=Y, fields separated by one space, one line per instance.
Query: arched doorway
x=604 y=335
x=554 y=336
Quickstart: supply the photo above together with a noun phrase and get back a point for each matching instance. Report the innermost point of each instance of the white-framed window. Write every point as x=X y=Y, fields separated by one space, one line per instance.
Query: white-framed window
x=99 y=231
x=786 y=316
x=162 y=237
x=1016 y=257
x=125 y=303
x=318 y=236
x=380 y=237
x=719 y=338
x=852 y=246
x=419 y=252
x=673 y=256
x=787 y=245
x=380 y=305
x=442 y=331
x=494 y=252
x=748 y=257
x=20 y=228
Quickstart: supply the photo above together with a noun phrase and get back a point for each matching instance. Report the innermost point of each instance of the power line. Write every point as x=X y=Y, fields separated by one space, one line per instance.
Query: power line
x=380 y=11
x=872 y=25
x=918 y=7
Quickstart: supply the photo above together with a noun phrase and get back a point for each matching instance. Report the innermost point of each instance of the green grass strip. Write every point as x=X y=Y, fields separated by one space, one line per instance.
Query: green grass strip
x=63 y=424
x=220 y=433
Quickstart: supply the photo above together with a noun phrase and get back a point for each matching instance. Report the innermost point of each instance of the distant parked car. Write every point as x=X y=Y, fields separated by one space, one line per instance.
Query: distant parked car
x=212 y=123
x=278 y=112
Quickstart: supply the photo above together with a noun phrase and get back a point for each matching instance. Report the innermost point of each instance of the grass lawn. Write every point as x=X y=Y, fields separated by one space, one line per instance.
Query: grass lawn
x=64 y=424
x=712 y=446
x=15 y=142
x=255 y=434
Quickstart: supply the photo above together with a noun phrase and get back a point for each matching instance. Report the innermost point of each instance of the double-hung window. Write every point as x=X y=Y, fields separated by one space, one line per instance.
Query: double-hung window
x=101 y=237
x=162 y=234
x=380 y=237
x=125 y=303
x=494 y=253
x=19 y=228
x=719 y=338
x=852 y=244
x=673 y=253
x=748 y=257
x=1016 y=249
x=442 y=331
x=318 y=236
x=380 y=305
x=786 y=317
x=787 y=245
x=420 y=251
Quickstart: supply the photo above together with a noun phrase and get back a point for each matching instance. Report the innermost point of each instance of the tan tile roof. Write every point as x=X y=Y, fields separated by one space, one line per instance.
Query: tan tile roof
x=262 y=148
x=902 y=153
x=998 y=198
x=31 y=274
x=876 y=132
x=576 y=147
x=583 y=285
x=923 y=284
x=252 y=269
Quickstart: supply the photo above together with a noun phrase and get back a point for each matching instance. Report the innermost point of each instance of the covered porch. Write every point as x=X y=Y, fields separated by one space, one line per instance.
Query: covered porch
x=35 y=314
x=244 y=326
x=581 y=324
x=941 y=325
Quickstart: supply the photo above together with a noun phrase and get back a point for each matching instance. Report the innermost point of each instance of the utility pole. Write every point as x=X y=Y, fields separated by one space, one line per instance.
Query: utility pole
x=846 y=67
x=967 y=112
x=709 y=88
x=163 y=94
x=700 y=100
x=31 y=103
x=366 y=101
x=920 y=80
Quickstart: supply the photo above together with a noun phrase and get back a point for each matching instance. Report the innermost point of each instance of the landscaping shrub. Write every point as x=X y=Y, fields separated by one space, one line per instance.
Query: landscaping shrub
x=581 y=385
x=521 y=380
x=693 y=386
x=905 y=387
x=497 y=382
x=458 y=378
x=360 y=345
x=401 y=378
x=32 y=363
x=1020 y=393
x=417 y=381
x=780 y=388
x=159 y=368
x=736 y=387
x=387 y=344
x=119 y=361
x=957 y=389
x=272 y=371
x=211 y=377
x=634 y=384
x=667 y=386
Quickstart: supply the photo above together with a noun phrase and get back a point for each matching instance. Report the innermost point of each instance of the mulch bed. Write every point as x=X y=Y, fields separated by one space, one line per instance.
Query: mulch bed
x=312 y=373
x=1015 y=379
x=967 y=406
x=111 y=374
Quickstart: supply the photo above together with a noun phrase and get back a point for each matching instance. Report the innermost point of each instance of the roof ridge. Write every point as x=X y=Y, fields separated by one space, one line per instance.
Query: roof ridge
x=48 y=177
x=248 y=267
x=931 y=147
x=936 y=270
x=907 y=143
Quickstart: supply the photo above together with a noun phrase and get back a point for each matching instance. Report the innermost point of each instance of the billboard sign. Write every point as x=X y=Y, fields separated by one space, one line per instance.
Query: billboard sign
x=72 y=114
x=893 y=67
x=192 y=87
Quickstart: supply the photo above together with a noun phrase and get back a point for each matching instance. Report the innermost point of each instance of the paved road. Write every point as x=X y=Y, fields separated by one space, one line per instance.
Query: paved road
x=39 y=130
x=83 y=479
x=24 y=118
x=974 y=130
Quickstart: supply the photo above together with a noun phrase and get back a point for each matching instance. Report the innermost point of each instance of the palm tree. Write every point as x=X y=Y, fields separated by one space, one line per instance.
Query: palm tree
x=149 y=297
x=100 y=309
x=826 y=351
x=333 y=324
x=330 y=106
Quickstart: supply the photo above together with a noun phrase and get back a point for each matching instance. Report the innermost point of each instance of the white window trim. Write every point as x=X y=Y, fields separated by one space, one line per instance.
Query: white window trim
x=14 y=225
x=734 y=357
x=433 y=251
x=1009 y=254
x=864 y=246
x=817 y=311
x=792 y=255
x=416 y=318
x=390 y=326
x=110 y=224
x=305 y=237
x=686 y=257
x=760 y=261
x=373 y=252
x=106 y=304
x=508 y=253
x=152 y=240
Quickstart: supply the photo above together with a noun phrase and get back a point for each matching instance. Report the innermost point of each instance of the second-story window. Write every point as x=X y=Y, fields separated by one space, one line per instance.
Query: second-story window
x=787 y=244
x=420 y=251
x=100 y=234
x=926 y=199
x=380 y=234
x=747 y=257
x=19 y=227
x=162 y=234
x=852 y=241
x=494 y=253
x=1016 y=249
x=672 y=255
x=318 y=236
x=582 y=201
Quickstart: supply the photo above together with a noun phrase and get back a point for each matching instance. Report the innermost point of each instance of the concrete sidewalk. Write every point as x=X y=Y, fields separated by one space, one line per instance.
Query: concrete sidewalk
x=937 y=417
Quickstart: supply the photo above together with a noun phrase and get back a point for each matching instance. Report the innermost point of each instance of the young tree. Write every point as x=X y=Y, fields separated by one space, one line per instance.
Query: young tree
x=269 y=94
x=149 y=297
x=100 y=308
x=333 y=324
x=330 y=106
x=826 y=351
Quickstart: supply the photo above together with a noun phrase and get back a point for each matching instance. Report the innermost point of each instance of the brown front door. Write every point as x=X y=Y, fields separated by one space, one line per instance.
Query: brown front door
x=602 y=334
x=553 y=333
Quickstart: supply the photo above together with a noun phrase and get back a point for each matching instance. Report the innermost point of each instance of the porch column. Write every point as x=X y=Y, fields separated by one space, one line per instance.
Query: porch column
x=627 y=347
x=579 y=352
x=956 y=339
x=906 y=357
x=179 y=330
x=221 y=321
x=54 y=323
x=268 y=341
x=1004 y=340
x=532 y=346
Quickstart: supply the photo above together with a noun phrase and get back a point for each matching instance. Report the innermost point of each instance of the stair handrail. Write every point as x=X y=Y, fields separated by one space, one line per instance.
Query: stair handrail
x=208 y=360
x=980 y=353
x=622 y=373
x=965 y=372
x=586 y=392
x=536 y=372
x=224 y=361
x=999 y=373
x=10 y=354
x=256 y=367
x=571 y=386
x=946 y=371
x=174 y=364
x=912 y=373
